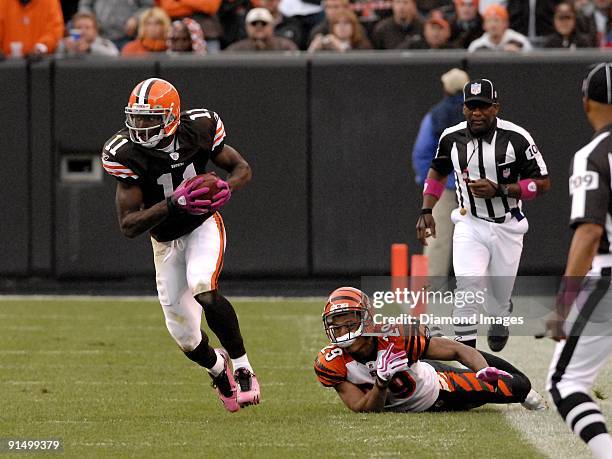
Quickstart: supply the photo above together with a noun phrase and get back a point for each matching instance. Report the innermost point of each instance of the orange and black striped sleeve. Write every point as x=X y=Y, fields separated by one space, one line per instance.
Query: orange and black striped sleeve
x=330 y=372
x=417 y=342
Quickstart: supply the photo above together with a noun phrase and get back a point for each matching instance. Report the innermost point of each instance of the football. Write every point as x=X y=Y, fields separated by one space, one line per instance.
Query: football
x=210 y=181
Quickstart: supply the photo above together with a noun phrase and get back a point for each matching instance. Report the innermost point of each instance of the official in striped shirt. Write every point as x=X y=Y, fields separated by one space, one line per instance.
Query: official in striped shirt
x=497 y=165
x=582 y=321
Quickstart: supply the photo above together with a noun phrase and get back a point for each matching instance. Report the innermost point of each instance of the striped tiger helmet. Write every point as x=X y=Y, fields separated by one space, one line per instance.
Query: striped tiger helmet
x=153 y=112
x=345 y=301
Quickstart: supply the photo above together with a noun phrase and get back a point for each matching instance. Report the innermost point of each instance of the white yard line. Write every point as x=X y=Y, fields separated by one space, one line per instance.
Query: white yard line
x=547 y=433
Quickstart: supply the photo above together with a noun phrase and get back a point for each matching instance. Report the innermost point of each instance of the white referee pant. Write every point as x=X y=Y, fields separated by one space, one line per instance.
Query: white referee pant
x=186 y=267
x=486 y=258
x=577 y=360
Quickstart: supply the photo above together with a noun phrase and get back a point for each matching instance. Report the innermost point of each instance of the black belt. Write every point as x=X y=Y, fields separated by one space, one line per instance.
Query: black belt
x=515 y=212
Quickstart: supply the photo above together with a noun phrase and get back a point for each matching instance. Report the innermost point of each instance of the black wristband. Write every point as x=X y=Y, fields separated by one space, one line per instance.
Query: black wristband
x=173 y=209
x=502 y=191
x=381 y=383
x=426 y=211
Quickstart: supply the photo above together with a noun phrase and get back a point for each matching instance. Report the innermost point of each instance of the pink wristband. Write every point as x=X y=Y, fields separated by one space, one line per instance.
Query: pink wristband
x=433 y=187
x=529 y=189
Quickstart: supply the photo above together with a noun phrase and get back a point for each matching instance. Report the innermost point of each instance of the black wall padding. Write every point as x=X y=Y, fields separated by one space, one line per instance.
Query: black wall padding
x=329 y=138
x=263 y=105
x=90 y=97
x=14 y=181
x=365 y=117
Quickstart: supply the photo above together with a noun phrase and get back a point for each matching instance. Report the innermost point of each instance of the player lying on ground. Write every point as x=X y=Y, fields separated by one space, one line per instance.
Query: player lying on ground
x=376 y=373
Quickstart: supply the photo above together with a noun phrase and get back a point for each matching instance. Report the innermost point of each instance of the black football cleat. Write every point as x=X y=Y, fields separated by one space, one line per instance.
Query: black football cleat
x=497 y=337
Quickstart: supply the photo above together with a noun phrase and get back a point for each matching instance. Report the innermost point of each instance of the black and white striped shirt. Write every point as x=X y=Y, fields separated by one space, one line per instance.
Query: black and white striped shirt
x=590 y=186
x=505 y=155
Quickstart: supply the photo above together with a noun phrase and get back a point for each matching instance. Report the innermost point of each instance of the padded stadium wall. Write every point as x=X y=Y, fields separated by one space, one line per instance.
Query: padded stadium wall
x=329 y=138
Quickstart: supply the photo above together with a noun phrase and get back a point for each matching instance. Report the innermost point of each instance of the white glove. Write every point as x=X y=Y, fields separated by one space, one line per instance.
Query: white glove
x=389 y=363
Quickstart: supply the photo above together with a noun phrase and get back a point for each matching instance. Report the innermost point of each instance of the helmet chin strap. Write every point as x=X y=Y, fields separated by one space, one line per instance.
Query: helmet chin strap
x=347 y=343
x=346 y=340
x=149 y=143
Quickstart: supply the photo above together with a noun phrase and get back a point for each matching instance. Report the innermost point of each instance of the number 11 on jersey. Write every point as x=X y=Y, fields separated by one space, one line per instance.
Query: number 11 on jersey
x=165 y=180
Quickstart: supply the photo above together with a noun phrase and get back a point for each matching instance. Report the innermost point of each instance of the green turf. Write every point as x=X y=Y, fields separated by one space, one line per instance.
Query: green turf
x=107 y=379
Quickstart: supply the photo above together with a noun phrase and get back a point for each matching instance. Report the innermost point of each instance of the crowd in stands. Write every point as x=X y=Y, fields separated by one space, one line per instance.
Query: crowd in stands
x=31 y=28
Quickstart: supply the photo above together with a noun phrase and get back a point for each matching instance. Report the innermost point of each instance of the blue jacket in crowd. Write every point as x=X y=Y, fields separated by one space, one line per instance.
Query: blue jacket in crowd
x=446 y=113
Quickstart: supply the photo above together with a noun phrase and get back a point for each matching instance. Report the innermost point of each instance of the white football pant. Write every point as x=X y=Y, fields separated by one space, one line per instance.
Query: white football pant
x=186 y=267
x=486 y=255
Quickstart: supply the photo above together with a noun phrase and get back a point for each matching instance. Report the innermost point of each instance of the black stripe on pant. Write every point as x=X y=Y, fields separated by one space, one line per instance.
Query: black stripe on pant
x=520 y=385
x=463 y=400
x=575 y=400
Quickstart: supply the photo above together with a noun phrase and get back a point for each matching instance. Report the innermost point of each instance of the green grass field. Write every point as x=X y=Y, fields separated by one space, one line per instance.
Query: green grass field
x=106 y=378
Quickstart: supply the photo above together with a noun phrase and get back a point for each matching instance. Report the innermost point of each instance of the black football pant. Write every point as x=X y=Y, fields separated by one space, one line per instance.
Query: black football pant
x=465 y=391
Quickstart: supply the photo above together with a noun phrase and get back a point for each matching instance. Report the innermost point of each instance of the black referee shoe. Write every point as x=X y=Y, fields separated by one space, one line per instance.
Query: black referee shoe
x=497 y=337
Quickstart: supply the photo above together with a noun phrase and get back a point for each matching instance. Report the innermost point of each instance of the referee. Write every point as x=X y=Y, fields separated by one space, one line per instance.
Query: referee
x=584 y=304
x=496 y=165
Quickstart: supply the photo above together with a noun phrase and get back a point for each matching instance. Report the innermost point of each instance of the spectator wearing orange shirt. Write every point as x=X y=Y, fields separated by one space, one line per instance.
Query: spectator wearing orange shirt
x=30 y=27
x=153 y=28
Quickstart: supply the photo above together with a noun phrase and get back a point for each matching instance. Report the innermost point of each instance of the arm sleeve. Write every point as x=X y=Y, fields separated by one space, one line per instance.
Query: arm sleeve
x=417 y=342
x=113 y=163
x=218 y=135
x=532 y=162
x=329 y=373
x=120 y=172
x=53 y=29
x=442 y=162
x=589 y=187
x=424 y=148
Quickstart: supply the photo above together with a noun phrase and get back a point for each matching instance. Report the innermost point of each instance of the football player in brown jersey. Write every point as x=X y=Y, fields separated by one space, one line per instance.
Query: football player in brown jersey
x=153 y=158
